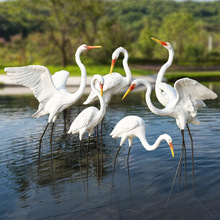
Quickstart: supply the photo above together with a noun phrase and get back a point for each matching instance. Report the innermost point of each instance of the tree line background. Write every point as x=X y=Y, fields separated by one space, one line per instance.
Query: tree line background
x=48 y=32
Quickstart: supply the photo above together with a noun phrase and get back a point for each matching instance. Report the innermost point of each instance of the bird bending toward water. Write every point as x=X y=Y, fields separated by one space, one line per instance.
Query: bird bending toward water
x=134 y=126
x=51 y=94
x=183 y=108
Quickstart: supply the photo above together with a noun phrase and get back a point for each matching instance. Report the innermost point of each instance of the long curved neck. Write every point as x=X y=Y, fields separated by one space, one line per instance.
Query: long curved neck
x=150 y=105
x=126 y=67
x=146 y=144
x=81 y=89
x=164 y=68
x=102 y=109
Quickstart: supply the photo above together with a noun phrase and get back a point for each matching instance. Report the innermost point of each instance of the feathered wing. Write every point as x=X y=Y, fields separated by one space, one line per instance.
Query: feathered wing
x=190 y=94
x=124 y=125
x=60 y=79
x=36 y=77
x=111 y=81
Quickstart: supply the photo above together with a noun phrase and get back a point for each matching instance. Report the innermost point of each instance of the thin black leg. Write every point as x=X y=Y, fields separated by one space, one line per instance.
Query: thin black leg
x=87 y=167
x=192 y=159
x=114 y=173
x=183 y=148
x=174 y=180
x=39 y=149
x=129 y=182
x=97 y=149
x=51 y=151
x=101 y=148
x=80 y=167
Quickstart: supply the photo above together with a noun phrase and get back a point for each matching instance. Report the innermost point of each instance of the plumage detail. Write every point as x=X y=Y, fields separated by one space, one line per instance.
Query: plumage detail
x=35 y=77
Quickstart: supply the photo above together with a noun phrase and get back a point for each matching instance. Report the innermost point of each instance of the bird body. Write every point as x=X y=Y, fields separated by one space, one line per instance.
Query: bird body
x=91 y=116
x=49 y=90
x=184 y=107
x=134 y=126
x=114 y=82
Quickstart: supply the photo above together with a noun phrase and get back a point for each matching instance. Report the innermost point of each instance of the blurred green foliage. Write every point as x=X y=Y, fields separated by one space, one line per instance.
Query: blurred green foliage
x=48 y=32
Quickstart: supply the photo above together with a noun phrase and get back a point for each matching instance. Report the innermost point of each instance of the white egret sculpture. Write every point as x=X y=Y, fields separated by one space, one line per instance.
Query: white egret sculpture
x=51 y=94
x=114 y=82
x=133 y=126
x=91 y=116
x=165 y=93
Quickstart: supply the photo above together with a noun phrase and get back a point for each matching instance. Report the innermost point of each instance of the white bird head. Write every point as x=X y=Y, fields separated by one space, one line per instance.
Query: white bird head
x=115 y=56
x=100 y=79
x=167 y=45
x=85 y=47
x=169 y=141
x=133 y=85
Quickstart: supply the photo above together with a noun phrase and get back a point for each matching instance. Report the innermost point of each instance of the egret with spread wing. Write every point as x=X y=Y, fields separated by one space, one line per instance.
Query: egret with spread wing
x=50 y=92
x=166 y=93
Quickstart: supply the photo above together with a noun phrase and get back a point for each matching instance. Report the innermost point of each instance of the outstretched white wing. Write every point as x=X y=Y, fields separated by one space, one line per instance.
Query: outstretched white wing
x=190 y=93
x=36 y=77
x=60 y=78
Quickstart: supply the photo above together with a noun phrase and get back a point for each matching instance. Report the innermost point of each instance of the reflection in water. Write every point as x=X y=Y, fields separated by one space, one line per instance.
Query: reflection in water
x=75 y=186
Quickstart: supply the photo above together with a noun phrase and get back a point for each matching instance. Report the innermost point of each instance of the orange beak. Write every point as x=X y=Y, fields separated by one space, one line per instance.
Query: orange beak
x=159 y=41
x=93 y=47
x=171 y=148
x=112 y=66
x=101 y=89
x=129 y=89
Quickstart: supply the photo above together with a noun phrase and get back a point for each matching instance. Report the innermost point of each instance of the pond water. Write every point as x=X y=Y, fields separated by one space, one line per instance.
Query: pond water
x=70 y=185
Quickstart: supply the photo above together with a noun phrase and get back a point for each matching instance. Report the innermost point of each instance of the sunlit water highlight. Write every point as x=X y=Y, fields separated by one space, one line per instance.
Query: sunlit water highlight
x=73 y=187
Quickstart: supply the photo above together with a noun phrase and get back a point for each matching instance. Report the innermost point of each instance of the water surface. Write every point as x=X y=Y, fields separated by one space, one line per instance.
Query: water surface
x=73 y=184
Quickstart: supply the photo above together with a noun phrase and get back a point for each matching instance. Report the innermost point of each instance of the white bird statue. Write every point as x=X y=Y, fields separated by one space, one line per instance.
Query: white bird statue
x=166 y=93
x=91 y=116
x=114 y=82
x=133 y=126
x=50 y=91
x=183 y=108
